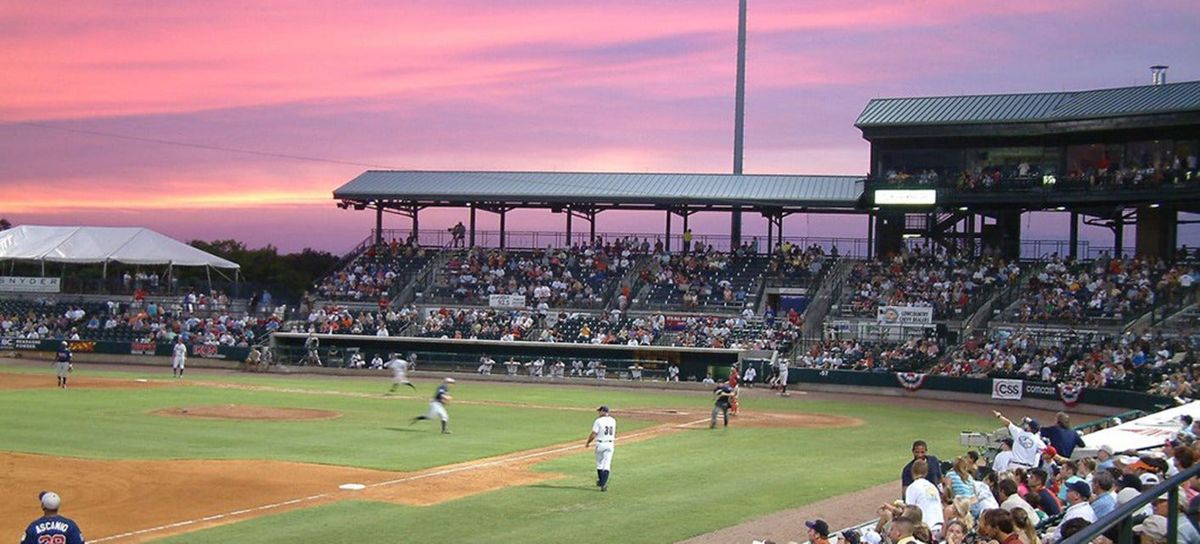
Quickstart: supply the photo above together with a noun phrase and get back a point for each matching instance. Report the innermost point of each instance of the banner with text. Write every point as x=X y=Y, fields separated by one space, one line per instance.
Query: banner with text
x=1007 y=389
x=26 y=284
x=905 y=315
x=506 y=301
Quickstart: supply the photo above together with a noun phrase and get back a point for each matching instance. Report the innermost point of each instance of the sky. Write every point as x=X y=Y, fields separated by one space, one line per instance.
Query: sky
x=231 y=119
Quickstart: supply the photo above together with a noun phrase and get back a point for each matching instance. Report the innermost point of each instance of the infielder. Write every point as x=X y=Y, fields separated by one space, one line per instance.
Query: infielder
x=783 y=377
x=399 y=373
x=724 y=401
x=62 y=364
x=437 y=406
x=179 y=357
x=604 y=432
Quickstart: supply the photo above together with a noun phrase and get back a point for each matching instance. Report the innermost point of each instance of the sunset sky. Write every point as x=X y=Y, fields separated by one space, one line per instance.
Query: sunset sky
x=279 y=103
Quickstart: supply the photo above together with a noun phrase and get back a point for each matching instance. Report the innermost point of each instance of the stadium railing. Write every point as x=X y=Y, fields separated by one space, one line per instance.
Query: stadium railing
x=1123 y=515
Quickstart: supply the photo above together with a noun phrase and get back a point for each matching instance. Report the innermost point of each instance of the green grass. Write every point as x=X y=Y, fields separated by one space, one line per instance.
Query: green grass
x=662 y=490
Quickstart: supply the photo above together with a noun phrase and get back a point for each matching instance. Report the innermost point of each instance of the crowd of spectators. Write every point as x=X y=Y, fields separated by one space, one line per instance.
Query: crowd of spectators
x=797 y=264
x=735 y=333
x=198 y=319
x=337 y=319
x=702 y=278
x=479 y=324
x=1107 y=288
x=577 y=276
x=924 y=277
x=376 y=273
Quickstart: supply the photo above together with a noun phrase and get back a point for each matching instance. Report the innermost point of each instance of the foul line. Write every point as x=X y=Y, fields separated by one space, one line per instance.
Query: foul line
x=419 y=476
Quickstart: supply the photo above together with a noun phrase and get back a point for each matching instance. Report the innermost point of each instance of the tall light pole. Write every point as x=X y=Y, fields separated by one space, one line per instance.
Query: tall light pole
x=739 y=122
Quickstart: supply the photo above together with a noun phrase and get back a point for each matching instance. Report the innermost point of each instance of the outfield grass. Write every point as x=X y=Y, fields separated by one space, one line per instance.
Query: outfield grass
x=662 y=490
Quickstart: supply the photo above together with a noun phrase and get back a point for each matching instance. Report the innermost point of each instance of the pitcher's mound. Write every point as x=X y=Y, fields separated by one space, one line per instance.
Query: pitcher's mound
x=240 y=411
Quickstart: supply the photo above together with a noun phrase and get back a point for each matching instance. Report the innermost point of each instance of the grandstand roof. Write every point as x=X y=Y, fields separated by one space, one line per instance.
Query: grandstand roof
x=102 y=244
x=599 y=188
x=1033 y=107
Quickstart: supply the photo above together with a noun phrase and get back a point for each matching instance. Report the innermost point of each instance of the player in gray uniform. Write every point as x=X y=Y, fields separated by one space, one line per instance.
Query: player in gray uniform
x=399 y=373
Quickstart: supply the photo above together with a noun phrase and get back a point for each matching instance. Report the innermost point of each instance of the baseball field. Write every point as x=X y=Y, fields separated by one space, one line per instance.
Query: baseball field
x=228 y=457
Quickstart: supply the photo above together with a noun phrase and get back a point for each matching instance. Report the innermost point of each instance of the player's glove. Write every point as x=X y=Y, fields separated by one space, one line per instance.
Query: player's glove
x=70 y=368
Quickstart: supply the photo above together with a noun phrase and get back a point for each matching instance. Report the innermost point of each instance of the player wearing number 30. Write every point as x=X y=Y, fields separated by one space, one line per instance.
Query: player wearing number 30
x=52 y=528
x=604 y=432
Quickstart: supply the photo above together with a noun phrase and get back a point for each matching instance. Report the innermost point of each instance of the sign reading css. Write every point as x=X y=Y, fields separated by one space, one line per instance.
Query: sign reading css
x=1007 y=389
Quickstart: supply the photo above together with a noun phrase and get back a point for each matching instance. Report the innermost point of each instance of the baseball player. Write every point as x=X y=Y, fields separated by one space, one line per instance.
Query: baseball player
x=437 y=406
x=179 y=357
x=1027 y=443
x=485 y=365
x=748 y=376
x=513 y=366
x=51 y=527
x=724 y=393
x=733 y=384
x=313 y=345
x=604 y=432
x=399 y=373
x=62 y=364
x=783 y=377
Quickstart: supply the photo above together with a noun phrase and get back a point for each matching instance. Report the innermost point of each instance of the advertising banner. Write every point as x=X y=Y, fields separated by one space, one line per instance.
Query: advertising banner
x=1007 y=389
x=26 y=284
x=506 y=301
x=904 y=315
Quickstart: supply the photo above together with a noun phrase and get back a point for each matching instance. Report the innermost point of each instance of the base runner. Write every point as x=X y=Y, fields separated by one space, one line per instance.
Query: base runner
x=437 y=406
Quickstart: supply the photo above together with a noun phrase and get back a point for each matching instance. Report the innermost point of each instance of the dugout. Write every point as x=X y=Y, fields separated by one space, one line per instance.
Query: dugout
x=457 y=355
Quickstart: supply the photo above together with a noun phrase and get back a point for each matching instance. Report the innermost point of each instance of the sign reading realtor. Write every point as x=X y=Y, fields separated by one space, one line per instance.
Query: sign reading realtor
x=25 y=284
x=905 y=315
x=1007 y=389
x=506 y=301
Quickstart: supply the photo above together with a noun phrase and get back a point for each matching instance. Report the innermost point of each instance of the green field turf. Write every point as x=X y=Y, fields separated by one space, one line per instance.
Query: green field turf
x=662 y=490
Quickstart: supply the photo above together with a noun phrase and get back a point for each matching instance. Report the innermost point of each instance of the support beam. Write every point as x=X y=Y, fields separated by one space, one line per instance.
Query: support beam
x=416 y=225
x=1073 y=252
x=739 y=122
x=569 y=217
x=871 y=235
x=592 y=219
x=378 y=224
x=503 y=216
x=667 y=240
x=472 y=239
x=1119 y=236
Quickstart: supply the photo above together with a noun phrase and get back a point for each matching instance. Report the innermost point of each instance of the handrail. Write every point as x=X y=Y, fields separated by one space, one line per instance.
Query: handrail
x=1122 y=514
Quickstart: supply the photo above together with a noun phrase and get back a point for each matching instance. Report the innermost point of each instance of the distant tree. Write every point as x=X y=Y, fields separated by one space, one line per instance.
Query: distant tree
x=286 y=276
x=4 y=224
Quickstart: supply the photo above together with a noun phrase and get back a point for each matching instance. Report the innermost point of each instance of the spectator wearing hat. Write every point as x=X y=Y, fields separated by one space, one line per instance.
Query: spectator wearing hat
x=1049 y=461
x=1027 y=444
x=1185 y=432
x=1062 y=436
x=52 y=527
x=1187 y=531
x=1104 y=500
x=1152 y=530
x=1104 y=457
x=919 y=452
x=1078 y=493
x=818 y=531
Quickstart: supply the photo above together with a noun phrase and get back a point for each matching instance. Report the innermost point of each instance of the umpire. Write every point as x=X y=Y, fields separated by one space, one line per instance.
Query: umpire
x=724 y=402
x=52 y=527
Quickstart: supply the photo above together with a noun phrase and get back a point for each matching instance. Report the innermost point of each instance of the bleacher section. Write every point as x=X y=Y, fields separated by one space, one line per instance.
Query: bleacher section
x=708 y=282
x=375 y=273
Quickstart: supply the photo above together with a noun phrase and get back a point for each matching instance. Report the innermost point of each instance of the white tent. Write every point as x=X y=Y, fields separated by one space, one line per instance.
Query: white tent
x=95 y=245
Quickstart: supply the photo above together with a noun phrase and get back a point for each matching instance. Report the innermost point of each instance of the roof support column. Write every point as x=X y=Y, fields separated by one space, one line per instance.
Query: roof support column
x=416 y=226
x=871 y=235
x=667 y=240
x=378 y=224
x=1073 y=251
x=569 y=217
x=472 y=239
x=1119 y=235
x=503 y=216
x=592 y=220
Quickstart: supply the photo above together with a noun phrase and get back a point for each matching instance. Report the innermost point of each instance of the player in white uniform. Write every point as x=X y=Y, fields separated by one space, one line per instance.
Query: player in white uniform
x=399 y=373
x=485 y=365
x=604 y=432
x=179 y=358
x=1027 y=445
x=783 y=377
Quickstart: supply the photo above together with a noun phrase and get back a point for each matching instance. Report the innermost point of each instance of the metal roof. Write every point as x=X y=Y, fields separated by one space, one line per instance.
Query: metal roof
x=603 y=188
x=1032 y=108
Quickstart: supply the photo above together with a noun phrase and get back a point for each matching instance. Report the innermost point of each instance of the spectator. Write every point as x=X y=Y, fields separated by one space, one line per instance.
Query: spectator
x=933 y=470
x=923 y=494
x=1061 y=436
x=818 y=531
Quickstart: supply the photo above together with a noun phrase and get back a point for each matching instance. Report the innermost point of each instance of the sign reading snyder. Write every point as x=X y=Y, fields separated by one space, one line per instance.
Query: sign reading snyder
x=24 y=284
x=1007 y=389
x=506 y=301
x=905 y=315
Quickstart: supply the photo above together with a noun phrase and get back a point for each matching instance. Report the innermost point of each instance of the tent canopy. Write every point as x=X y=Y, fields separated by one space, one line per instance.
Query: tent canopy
x=128 y=245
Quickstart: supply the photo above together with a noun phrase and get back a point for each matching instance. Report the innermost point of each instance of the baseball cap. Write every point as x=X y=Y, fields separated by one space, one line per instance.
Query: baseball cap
x=1127 y=494
x=1186 y=419
x=602 y=408
x=50 y=500
x=1193 y=506
x=1150 y=479
x=1107 y=449
x=819 y=526
x=1050 y=451
x=1127 y=459
x=851 y=536
x=869 y=536
x=1081 y=487
x=1033 y=424
x=1155 y=526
